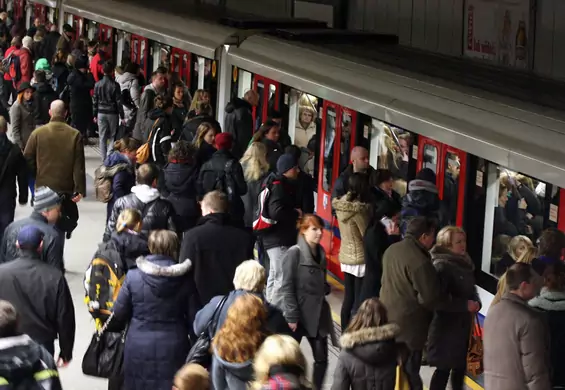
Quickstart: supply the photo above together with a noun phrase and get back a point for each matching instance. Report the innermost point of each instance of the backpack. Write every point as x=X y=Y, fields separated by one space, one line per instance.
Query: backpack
x=14 y=68
x=103 y=181
x=127 y=101
x=144 y=151
x=261 y=221
x=224 y=181
x=103 y=280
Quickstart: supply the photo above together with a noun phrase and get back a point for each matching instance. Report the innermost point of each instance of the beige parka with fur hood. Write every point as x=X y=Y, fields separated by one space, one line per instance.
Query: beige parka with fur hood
x=354 y=218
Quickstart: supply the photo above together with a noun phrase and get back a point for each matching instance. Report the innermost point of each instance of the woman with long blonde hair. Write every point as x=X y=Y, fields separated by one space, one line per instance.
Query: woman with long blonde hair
x=237 y=342
x=204 y=141
x=201 y=95
x=517 y=246
x=128 y=240
x=279 y=359
x=255 y=170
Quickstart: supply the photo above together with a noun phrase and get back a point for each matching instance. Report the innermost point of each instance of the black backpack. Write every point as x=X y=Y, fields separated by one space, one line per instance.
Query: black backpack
x=224 y=181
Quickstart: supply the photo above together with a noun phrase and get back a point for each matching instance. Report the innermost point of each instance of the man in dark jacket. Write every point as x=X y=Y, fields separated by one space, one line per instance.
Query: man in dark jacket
x=80 y=83
x=50 y=42
x=46 y=212
x=224 y=173
x=411 y=290
x=13 y=169
x=214 y=264
x=157 y=213
x=23 y=362
x=64 y=43
x=359 y=163
x=143 y=122
x=422 y=199
x=249 y=278
x=305 y=184
x=203 y=113
x=44 y=95
x=108 y=107
x=239 y=121
x=551 y=248
x=53 y=315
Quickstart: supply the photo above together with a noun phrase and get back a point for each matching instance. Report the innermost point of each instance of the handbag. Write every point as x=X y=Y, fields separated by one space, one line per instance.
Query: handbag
x=401 y=379
x=475 y=351
x=200 y=351
x=144 y=151
x=104 y=357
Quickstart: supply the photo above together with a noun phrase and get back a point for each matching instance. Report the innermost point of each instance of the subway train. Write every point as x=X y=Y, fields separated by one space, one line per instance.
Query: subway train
x=352 y=94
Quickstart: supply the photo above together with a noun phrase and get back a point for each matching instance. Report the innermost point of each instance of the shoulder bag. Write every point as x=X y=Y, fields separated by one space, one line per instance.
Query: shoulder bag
x=104 y=357
x=475 y=351
x=200 y=351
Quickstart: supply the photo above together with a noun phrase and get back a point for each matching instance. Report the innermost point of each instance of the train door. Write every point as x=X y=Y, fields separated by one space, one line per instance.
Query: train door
x=269 y=98
x=78 y=24
x=181 y=64
x=336 y=141
x=19 y=10
x=139 y=53
x=105 y=35
x=39 y=12
x=449 y=164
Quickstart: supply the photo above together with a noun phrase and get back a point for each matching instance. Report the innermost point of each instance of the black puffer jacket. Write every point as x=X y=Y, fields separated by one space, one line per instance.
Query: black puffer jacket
x=161 y=137
x=383 y=203
x=368 y=359
x=157 y=213
x=190 y=127
x=61 y=73
x=422 y=200
x=80 y=85
x=214 y=176
x=44 y=96
x=180 y=189
x=448 y=336
x=107 y=97
x=238 y=121
x=204 y=153
x=130 y=245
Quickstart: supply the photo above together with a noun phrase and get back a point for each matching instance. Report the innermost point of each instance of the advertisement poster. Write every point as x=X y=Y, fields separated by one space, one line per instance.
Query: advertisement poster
x=497 y=31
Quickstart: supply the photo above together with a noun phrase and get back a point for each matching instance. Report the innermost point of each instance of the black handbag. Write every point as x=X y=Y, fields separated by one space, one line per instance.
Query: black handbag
x=104 y=357
x=200 y=351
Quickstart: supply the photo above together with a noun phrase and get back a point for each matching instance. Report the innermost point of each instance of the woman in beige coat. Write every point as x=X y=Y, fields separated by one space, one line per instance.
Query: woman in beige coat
x=353 y=211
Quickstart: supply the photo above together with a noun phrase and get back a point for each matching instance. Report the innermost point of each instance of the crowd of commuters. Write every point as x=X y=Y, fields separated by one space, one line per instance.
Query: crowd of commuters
x=186 y=206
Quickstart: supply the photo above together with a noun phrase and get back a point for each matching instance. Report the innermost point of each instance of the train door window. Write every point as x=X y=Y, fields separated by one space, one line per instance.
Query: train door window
x=269 y=94
x=245 y=80
x=450 y=191
x=258 y=111
x=104 y=34
x=162 y=56
x=139 y=49
x=181 y=65
x=304 y=127
x=211 y=78
x=329 y=139
x=52 y=15
x=124 y=48
x=273 y=103
x=185 y=75
x=345 y=139
x=430 y=158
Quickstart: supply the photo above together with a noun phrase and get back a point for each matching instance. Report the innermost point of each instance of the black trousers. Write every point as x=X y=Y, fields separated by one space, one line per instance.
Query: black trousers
x=441 y=377
x=353 y=286
x=6 y=217
x=319 y=347
x=411 y=367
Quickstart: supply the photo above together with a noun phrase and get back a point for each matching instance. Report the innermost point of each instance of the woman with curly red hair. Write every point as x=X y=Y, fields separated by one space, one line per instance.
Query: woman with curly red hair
x=236 y=343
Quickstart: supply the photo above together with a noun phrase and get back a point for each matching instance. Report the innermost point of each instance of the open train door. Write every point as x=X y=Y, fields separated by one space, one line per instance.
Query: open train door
x=105 y=35
x=139 y=54
x=269 y=97
x=181 y=64
x=336 y=142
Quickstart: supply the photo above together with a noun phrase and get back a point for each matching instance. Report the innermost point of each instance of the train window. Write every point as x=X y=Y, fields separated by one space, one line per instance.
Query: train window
x=176 y=63
x=393 y=152
x=304 y=114
x=451 y=186
x=331 y=119
x=345 y=141
x=244 y=85
x=142 y=54
x=164 y=55
x=272 y=99
x=430 y=157
x=135 y=53
x=185 y=67
x=259 y=108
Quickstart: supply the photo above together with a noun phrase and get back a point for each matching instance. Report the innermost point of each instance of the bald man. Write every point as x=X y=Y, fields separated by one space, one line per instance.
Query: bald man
x=59 y=163
x=239 y=121
x=359 y=163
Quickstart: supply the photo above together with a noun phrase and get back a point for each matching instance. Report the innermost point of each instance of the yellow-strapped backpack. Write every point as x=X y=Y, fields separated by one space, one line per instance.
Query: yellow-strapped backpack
x=144 y=151
x=102 y=282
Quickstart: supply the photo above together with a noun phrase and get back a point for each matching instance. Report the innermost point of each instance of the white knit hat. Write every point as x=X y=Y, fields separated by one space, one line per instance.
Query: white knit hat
x=27 y=42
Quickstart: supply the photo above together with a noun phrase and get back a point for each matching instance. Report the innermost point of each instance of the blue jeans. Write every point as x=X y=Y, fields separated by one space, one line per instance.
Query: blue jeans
x=31 y=183
x=107 y=129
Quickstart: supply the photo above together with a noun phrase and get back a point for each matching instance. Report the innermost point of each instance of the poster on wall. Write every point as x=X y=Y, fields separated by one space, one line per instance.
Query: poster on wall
x=497 y=31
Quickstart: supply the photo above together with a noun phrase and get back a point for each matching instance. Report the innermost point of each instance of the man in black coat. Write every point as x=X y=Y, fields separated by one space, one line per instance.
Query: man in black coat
x=305 y=184
x=46 y=213
x=359 y=163
x=216 y=248
x=239 y=121
x=50 y=42
x=13 y=168
x=224 y=173
x=44 y=95
x=51 y=316
x=80 y=84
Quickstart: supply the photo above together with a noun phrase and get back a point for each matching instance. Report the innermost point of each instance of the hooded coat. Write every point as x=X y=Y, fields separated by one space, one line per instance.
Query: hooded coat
x=128 y=82
x=43 y=97
x=179 y=188
x=230 y=376
x=422 y=200
x=154 y=299
x=80 y=84
x=130 y=245
x=61 y=73
x=160 y=135
x=157 y=213
x=22 y=116
x=26 y=364
x=552 y=303
x=354 y=218
x=123 y=178
x=448 y=337
x=238 y=120
x=368 y=359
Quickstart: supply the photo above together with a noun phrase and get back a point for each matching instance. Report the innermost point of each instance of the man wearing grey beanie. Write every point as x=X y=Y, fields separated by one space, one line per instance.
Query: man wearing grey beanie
x=46 y=213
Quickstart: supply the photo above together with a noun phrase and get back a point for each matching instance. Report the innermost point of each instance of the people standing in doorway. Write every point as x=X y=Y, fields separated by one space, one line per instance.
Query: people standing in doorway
x=108 y=109
x=131 y=95
x=359 y=163
x=80 y=84
x=97 y=63
x=65 y=41
x=239 y=121
x=354 y=212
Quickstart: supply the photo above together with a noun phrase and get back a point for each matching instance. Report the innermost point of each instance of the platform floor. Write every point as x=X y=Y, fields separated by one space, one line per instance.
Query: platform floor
x=78 y=253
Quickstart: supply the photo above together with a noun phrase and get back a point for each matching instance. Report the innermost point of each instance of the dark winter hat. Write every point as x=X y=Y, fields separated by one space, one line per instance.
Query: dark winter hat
x=30 y=237
x=25 y=85
x=224 y=141
x=45 y=199
x=286 y=163
x=81 y=62
x=426 y=174
x=68 y=28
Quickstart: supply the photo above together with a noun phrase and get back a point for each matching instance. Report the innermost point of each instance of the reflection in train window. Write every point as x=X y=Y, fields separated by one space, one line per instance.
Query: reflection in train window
x=328 y=149
x=430 y=157
x=305 y=130
x=135 y=56
x=259 y=109
x=345 y=142
x=142 y=55
x=394 y=153
x=451 y=187
x=525 y=207
x=244 y=84
x=272 y=99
